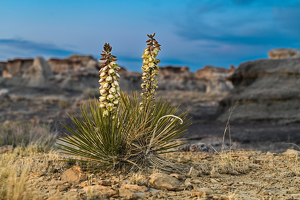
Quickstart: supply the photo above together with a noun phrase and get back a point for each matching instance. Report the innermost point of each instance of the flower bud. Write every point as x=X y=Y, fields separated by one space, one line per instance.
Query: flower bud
x=101 y=80
x=103 y=92
x=110 y=97
x=108 y=79
x=116 y=102
x=102 y=98
x=102 y=106
x=112 y=90
x=106 y=86
x=110 y=106
x=105 y=68
x=103 y=75
x=111 y=72
x=116 y=83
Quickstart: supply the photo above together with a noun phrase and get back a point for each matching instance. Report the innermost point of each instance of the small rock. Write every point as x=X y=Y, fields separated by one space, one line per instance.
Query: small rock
x=214 y=180
x=198 y=147
x=100 y=190
x=135 y=188
x=206 y=190
x=196 y=181
x=140 y=195
x=84 y=183
x=74 y=174
x=62 y=187
x=37 y=174
x=178 y=176
x=193 y=173
x=107 y=182
x=223 y=197
x=127 y=194
x=230 y=183
x=163 y=181
x=56 y=183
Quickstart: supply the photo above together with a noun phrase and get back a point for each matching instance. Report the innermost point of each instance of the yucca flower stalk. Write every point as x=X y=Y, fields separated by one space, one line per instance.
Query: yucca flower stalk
x=109 y=85
x=150 y=68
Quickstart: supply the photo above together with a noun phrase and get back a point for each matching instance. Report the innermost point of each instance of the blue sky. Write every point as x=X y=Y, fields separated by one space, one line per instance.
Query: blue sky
x=192 y=33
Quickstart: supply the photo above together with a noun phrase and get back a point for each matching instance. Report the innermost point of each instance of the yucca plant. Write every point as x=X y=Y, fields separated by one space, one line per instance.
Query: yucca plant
x=129 y=136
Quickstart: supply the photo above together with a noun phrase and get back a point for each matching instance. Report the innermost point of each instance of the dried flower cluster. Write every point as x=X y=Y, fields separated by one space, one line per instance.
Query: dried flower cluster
x=109 y=89
x=150 y=68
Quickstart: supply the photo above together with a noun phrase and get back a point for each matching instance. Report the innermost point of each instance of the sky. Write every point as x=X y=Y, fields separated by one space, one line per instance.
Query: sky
x=192 y=33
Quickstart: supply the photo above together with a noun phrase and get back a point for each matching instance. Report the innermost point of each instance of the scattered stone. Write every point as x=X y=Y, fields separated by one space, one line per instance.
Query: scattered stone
x=107 y=182
x=199 y=147
x=75 y=174
x=165 y=182
x=178 y=176
x=100 y=190
x=37 y=174
x=193 y=173
x=135 y=188
x=127 y=194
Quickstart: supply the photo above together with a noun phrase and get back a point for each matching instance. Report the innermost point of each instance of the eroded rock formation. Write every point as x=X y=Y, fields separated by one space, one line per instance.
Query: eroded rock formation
x=282 y=53
x=2 y=67
x=79 y=72
x=17 y=66
x=74 y=62
x=215 y=78
x=266 y=90
x=38 y=74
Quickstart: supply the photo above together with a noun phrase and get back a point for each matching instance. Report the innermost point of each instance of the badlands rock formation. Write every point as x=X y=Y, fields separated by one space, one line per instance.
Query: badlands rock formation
x=215 y=78
x=2 y=67
x=17 y=67
x=179 y=78
x=266 y=90
x=79 y=73
x=38 y=74
x=74 y=62
x=282 y=53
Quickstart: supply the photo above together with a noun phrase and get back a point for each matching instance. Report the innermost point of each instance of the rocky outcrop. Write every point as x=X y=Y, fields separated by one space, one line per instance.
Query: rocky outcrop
x=282 y=53
x=80 y=72
x=59 y=65
x=38 y=73
x=17 y=66
x=77 y=80
x=179 y=78
x=266 y=90
x=2 y=67
x=215 y=78
x=74 y=62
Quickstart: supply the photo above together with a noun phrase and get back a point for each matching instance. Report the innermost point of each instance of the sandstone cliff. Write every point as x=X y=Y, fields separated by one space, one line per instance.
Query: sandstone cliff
x=267 y=90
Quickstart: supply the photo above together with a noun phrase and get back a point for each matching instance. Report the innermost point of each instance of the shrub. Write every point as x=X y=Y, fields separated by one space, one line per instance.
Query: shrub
x=63 y=104
x=18 y=134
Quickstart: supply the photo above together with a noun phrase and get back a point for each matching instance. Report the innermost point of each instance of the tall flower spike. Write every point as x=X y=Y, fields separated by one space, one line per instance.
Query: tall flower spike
x=150 y=68
x=109 y=85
